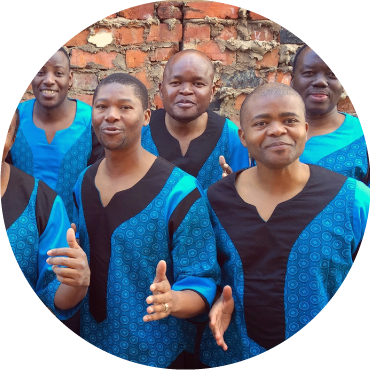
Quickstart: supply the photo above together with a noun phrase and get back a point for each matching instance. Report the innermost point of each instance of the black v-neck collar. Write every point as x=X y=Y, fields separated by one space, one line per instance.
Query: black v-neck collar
x=102 y=221
x=199 y=149
x=264 y=247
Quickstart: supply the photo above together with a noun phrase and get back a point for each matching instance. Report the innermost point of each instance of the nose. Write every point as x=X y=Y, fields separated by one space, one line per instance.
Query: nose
x=186 y=88
x=276 y=128
x=112 y=115
x=49 y=78
x=320 y=80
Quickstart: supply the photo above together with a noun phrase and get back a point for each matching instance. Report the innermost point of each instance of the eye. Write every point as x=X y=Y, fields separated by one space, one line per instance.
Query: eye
x=100 y=106
x=59 y=73
x=290 y=121
x=308 y=73
x=126 y=107
x=332 y=75
x=260 y=124
x=199 y=84
x=39 y=73
x=174 y=83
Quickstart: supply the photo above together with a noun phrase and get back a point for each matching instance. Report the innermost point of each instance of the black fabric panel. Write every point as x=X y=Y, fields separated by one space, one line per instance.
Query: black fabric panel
x=102 y=221
x=17 y=195
x=181 y=211
x=97 y=150
x=8 y=158
x=264 y=247
x=44 y=203
x=199 y=149
x=187 y=360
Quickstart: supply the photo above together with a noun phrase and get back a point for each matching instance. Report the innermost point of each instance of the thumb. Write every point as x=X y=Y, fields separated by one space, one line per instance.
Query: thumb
x=227 y=293
x=222 y=160
x=73 y=226
x=161 y=271
x=71 y=239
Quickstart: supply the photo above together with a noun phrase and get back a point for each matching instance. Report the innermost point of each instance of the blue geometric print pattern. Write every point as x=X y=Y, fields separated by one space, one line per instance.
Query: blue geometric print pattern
x=211 y=170
x=23 y=236
x=147 y=141
x=22 y=156
x=74 y=162
x=350 y=161
x=137 y=246
x=319 y=261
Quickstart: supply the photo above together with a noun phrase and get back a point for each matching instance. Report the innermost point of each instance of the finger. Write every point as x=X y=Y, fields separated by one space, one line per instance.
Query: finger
x=158 y=308
x=155 y=316
x=74 y=227
x=64 y=272
x=67 y=281
x=162 y=287
x=71 y=239
x=227 y=292
x=160 y=272
x=221 y=160
x=69 y=252
x=158 y=299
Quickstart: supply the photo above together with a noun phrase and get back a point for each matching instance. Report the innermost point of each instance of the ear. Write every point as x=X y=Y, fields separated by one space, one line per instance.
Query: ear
x=160 y=90
x=147 y=115
x=242 y=137
x=70 y=79
x=291 y=81
x=212 y=93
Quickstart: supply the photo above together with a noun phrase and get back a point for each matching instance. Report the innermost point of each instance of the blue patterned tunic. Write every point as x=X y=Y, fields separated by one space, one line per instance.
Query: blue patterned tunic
x=288 y=267
x=59 y=163
x=202 y=157
x=35 y=221
x=162 y=217
x=343 y=151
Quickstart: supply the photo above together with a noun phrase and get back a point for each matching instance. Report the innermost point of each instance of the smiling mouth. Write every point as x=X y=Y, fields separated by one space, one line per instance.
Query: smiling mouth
x=277 y=144
x=48 y=92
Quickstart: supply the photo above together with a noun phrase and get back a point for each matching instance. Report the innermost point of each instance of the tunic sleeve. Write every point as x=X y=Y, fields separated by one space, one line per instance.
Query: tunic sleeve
x=194 y=248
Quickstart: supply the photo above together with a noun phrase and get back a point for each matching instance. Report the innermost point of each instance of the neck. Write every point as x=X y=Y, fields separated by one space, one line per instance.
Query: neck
x=283 y=180
x=324 y=123
x=186 y=128
x=52 y=115
x=5 y=172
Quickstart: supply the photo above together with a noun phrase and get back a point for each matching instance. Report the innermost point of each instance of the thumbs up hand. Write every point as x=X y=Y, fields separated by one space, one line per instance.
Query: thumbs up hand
x=161 y=301
x=75 y=271
x=226 y=169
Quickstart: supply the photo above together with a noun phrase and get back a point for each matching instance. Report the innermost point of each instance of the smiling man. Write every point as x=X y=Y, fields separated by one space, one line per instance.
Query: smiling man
x=55 y=141
x=186 y=132
x=145 y=227
x=286 y=232
x=335 y=139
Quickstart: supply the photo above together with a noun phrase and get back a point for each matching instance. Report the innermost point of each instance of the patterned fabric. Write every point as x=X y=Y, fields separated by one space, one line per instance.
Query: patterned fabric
x=318 y=262
x=137 y=245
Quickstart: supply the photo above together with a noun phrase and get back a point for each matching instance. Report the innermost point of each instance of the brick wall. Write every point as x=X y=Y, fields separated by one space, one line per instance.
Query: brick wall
x=246 y=49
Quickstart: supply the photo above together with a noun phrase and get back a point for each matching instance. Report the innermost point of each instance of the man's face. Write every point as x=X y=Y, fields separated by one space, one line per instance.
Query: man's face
x=118 y=116
x=187 y=88
x=52 y=82
x=274 y=130
x=9 y=141
x=317 y=84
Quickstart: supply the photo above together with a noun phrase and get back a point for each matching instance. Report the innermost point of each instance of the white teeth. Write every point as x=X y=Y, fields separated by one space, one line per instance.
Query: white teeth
x=51 y=92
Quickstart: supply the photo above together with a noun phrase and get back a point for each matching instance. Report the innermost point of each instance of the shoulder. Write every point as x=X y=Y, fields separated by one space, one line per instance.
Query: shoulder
x=84 y=107
x=26 y=107
x=222 y=190
x=45 y=193
x=215 y=119
x=157 y=115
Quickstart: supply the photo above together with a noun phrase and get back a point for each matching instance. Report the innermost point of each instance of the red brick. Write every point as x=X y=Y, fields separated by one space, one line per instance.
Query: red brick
x=135 y=58
x=261 y=33
x=161 y=32
x=129 y=36
x=169 y=9
x=158 y=102
x=138 y=12
x=79 y=40
x=284 y=78
x=80 y=58
x=85 y=81
x=227 y=33
x=161 y=54
x=27 y=96
x=270 y=59
x=144 y=79
x=271 y=77
x=111 y=16
x=239 y=101
x=256 y=16
x=210 y=8
x=84 y=97
x=346 y=105
x=213 y=51
x=198 y=32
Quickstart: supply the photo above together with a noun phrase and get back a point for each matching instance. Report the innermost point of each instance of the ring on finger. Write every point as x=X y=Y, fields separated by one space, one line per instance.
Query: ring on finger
x=165 y=307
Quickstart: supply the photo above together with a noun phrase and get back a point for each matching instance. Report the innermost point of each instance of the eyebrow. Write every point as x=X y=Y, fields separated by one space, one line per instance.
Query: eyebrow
x=119 y=100
x=284 y=114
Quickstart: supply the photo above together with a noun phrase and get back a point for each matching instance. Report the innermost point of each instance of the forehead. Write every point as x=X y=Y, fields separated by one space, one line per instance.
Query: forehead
x=116 y=91
x=272 y=106
x=58 y=59
x=309 y=58
x=192 y=65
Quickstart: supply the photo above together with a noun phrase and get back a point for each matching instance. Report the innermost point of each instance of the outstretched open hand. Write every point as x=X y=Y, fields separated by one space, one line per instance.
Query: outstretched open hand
x=220 y=316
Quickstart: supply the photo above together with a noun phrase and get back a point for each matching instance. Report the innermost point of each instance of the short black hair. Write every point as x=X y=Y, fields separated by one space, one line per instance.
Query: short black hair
x=295 y=60
x=127 y=80
x=270 y=89
x=66 y=54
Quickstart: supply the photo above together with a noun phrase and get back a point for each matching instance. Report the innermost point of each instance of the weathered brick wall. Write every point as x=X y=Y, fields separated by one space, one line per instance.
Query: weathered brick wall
x=246 y=49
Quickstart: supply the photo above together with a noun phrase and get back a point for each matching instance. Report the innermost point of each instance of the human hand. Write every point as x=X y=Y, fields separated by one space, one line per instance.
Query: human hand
x=161 y=300
x=226 y=169
x=75 y=271
x=220 y=316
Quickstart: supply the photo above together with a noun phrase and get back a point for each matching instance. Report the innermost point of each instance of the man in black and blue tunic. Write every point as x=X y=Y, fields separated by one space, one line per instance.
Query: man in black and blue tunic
x=287 y=233
x=145 y=227
x=186 y=132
